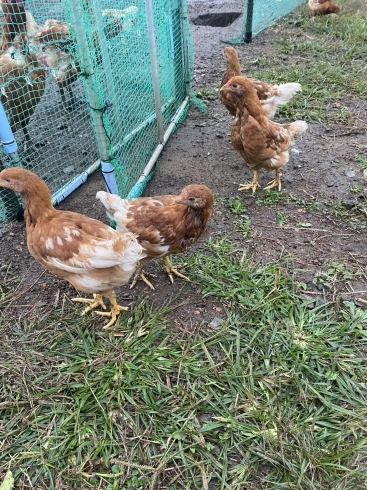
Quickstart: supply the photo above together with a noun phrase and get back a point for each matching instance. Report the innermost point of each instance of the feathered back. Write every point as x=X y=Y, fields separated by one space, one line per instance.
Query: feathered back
x=164 y=224
x=13 y=23
x=323 y=7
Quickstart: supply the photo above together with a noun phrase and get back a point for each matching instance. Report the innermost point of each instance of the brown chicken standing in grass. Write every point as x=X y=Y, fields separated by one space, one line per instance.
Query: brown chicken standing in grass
x=164 y=225
x=261 y=142
x=270 y=96
x=89 y=254
x=323 y=7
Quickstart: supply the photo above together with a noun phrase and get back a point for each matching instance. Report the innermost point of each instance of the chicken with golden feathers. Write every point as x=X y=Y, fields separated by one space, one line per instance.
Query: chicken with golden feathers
x=164 y=225
x=87 y=253
x=261 y=142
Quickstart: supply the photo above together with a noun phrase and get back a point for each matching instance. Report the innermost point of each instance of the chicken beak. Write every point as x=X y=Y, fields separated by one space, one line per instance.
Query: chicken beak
x=3 y=183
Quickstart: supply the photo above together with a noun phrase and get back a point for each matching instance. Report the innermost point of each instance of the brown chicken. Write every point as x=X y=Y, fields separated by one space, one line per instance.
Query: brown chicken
x=92 y=256
x=261 y=142
x=22 y=79
x=270 y=96
x=164 y=225
x=323 y=7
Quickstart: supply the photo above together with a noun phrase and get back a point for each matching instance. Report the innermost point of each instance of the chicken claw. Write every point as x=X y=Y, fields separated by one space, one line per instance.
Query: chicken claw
x=170 y=269
x=276 y=182
x=254 y=184
x=140 y=274
x=94 y=303
x=113 y=313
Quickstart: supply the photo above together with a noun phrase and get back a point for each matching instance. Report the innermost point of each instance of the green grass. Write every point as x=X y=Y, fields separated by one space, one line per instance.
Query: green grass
x=326 y=56
x=274 y=398
x=362 y=162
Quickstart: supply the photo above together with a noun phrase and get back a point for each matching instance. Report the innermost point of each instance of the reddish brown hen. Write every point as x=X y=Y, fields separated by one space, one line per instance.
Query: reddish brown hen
x=92 y=256
x=164 y=225
x=323 y=7
x=261 y=142
x=270 y=96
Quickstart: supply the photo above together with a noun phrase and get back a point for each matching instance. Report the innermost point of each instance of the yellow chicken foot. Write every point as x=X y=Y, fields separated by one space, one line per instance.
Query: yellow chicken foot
x=140 y=274
x=170 y=269
x=276 y=182
x=94 y=303
x=254 y=184
x=113 y=313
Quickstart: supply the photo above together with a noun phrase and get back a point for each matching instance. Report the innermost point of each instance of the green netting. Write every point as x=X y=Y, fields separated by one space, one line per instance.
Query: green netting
x=114 y=82
x=260 y=14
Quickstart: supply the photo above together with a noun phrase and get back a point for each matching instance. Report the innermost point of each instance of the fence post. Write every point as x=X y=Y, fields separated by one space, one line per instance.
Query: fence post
x=249 y=19
x=154 y=67
x=92 y=87
x=185 y=47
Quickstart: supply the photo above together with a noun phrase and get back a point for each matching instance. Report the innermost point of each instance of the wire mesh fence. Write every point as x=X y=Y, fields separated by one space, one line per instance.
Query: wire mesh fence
x=85 y=82
x=260 y=14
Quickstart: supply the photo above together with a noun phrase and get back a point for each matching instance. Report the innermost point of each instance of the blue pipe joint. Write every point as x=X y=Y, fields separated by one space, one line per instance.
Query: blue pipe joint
x=6 y=134
x=108 y=174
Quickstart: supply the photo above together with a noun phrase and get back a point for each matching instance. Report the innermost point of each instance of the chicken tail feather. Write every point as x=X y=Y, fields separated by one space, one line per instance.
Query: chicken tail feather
x=297 y=127
x=286 y=91
x=133 y=252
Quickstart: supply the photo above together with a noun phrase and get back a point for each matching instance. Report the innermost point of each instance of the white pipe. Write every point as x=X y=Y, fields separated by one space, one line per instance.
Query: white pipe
x=134 y=191
x=76 y=182
x=154 y=67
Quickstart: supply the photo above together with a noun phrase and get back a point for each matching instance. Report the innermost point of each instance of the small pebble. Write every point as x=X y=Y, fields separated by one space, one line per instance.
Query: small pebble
x=216 y=322
x=69 y=170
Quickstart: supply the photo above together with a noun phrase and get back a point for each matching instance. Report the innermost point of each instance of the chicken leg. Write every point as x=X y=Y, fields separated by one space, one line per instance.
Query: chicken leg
x=140 y=274
x=114 y=312
x=170 y=269
x=276 y=182
x=253 y=185
x=94 y=303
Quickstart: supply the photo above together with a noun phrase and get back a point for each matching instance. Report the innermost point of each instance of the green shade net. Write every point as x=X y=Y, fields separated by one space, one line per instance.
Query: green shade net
x=258 y=15
x=107 y=108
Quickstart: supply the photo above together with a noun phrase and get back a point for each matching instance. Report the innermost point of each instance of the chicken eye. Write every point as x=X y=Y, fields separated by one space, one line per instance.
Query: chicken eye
x=234 y=85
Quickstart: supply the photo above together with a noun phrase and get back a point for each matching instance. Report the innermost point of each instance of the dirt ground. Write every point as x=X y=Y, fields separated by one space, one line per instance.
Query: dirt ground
x=322 y=168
